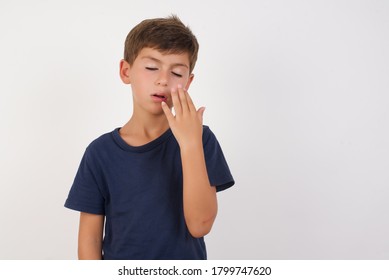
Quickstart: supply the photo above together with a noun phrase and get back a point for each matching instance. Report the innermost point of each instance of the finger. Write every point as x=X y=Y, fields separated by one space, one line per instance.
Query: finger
x=169 y=115
x=191 y=105
x=200 y=114
x=176 y=102
x=182 y=95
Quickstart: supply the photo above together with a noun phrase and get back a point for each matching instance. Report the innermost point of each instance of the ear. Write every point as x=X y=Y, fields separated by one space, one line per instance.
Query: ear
x=191 y=77
x=125 y=71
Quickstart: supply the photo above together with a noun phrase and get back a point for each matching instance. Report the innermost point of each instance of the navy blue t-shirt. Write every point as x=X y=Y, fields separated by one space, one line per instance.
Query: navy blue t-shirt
x=140 y=192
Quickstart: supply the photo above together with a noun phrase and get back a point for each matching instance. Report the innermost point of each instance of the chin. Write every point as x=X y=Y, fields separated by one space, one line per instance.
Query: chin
x=157 y=112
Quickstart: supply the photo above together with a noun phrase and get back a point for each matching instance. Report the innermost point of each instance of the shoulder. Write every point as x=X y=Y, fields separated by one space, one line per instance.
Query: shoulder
x=101 y=143
x=207 y=134
x=206 y=131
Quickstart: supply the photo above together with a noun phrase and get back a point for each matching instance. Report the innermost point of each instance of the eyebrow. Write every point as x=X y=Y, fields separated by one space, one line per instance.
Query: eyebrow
x=159 y=61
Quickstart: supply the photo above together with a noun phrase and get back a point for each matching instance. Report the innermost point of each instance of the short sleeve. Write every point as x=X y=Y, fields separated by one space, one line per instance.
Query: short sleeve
x=85 y=194
x=218 y=171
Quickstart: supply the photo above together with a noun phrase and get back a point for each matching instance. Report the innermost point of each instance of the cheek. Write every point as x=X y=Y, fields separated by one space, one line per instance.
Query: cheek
x=175 y=82
x=141 y=79
x=139 y=85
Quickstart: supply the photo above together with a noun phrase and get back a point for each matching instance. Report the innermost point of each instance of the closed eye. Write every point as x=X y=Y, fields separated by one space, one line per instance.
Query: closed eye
x=151 y=68
x=177 y=75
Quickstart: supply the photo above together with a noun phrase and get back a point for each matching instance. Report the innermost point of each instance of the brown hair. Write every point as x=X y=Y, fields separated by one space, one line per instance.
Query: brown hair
x=167 y=35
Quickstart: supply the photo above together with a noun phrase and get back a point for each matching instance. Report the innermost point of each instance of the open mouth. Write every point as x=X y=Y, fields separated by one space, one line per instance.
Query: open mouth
x=159 y=97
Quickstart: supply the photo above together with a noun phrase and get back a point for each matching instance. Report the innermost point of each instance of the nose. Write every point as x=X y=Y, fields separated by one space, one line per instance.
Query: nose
x=162 y=79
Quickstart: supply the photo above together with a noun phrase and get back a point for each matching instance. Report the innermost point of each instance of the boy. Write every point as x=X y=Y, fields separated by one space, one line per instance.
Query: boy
x=154 y=180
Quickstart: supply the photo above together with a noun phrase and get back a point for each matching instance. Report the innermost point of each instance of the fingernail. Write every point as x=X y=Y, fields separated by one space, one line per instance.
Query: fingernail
x=179 y=86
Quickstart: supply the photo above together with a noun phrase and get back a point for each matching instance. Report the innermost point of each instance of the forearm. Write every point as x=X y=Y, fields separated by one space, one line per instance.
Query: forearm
x=199 y=198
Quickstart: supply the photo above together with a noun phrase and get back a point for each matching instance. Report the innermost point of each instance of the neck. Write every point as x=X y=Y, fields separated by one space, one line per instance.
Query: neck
x=146 y=125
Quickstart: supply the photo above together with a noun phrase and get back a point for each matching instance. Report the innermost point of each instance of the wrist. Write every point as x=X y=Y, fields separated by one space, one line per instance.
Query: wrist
x=191 y=146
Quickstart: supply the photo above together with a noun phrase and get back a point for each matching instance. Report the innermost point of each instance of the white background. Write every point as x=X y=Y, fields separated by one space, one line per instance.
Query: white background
x=296 y=92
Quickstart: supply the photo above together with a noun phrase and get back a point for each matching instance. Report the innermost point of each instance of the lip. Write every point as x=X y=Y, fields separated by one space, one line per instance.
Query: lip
x=159 y=97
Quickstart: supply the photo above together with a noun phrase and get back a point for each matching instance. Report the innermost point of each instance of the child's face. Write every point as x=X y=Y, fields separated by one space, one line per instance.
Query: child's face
x=153 y=75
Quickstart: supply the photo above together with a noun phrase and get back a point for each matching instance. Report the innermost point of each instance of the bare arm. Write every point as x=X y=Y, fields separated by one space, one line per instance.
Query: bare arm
x=90 y=236
x=200 y=202
x=199 y=199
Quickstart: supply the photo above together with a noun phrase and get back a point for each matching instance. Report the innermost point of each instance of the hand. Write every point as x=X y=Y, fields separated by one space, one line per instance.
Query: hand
x=187 y=124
